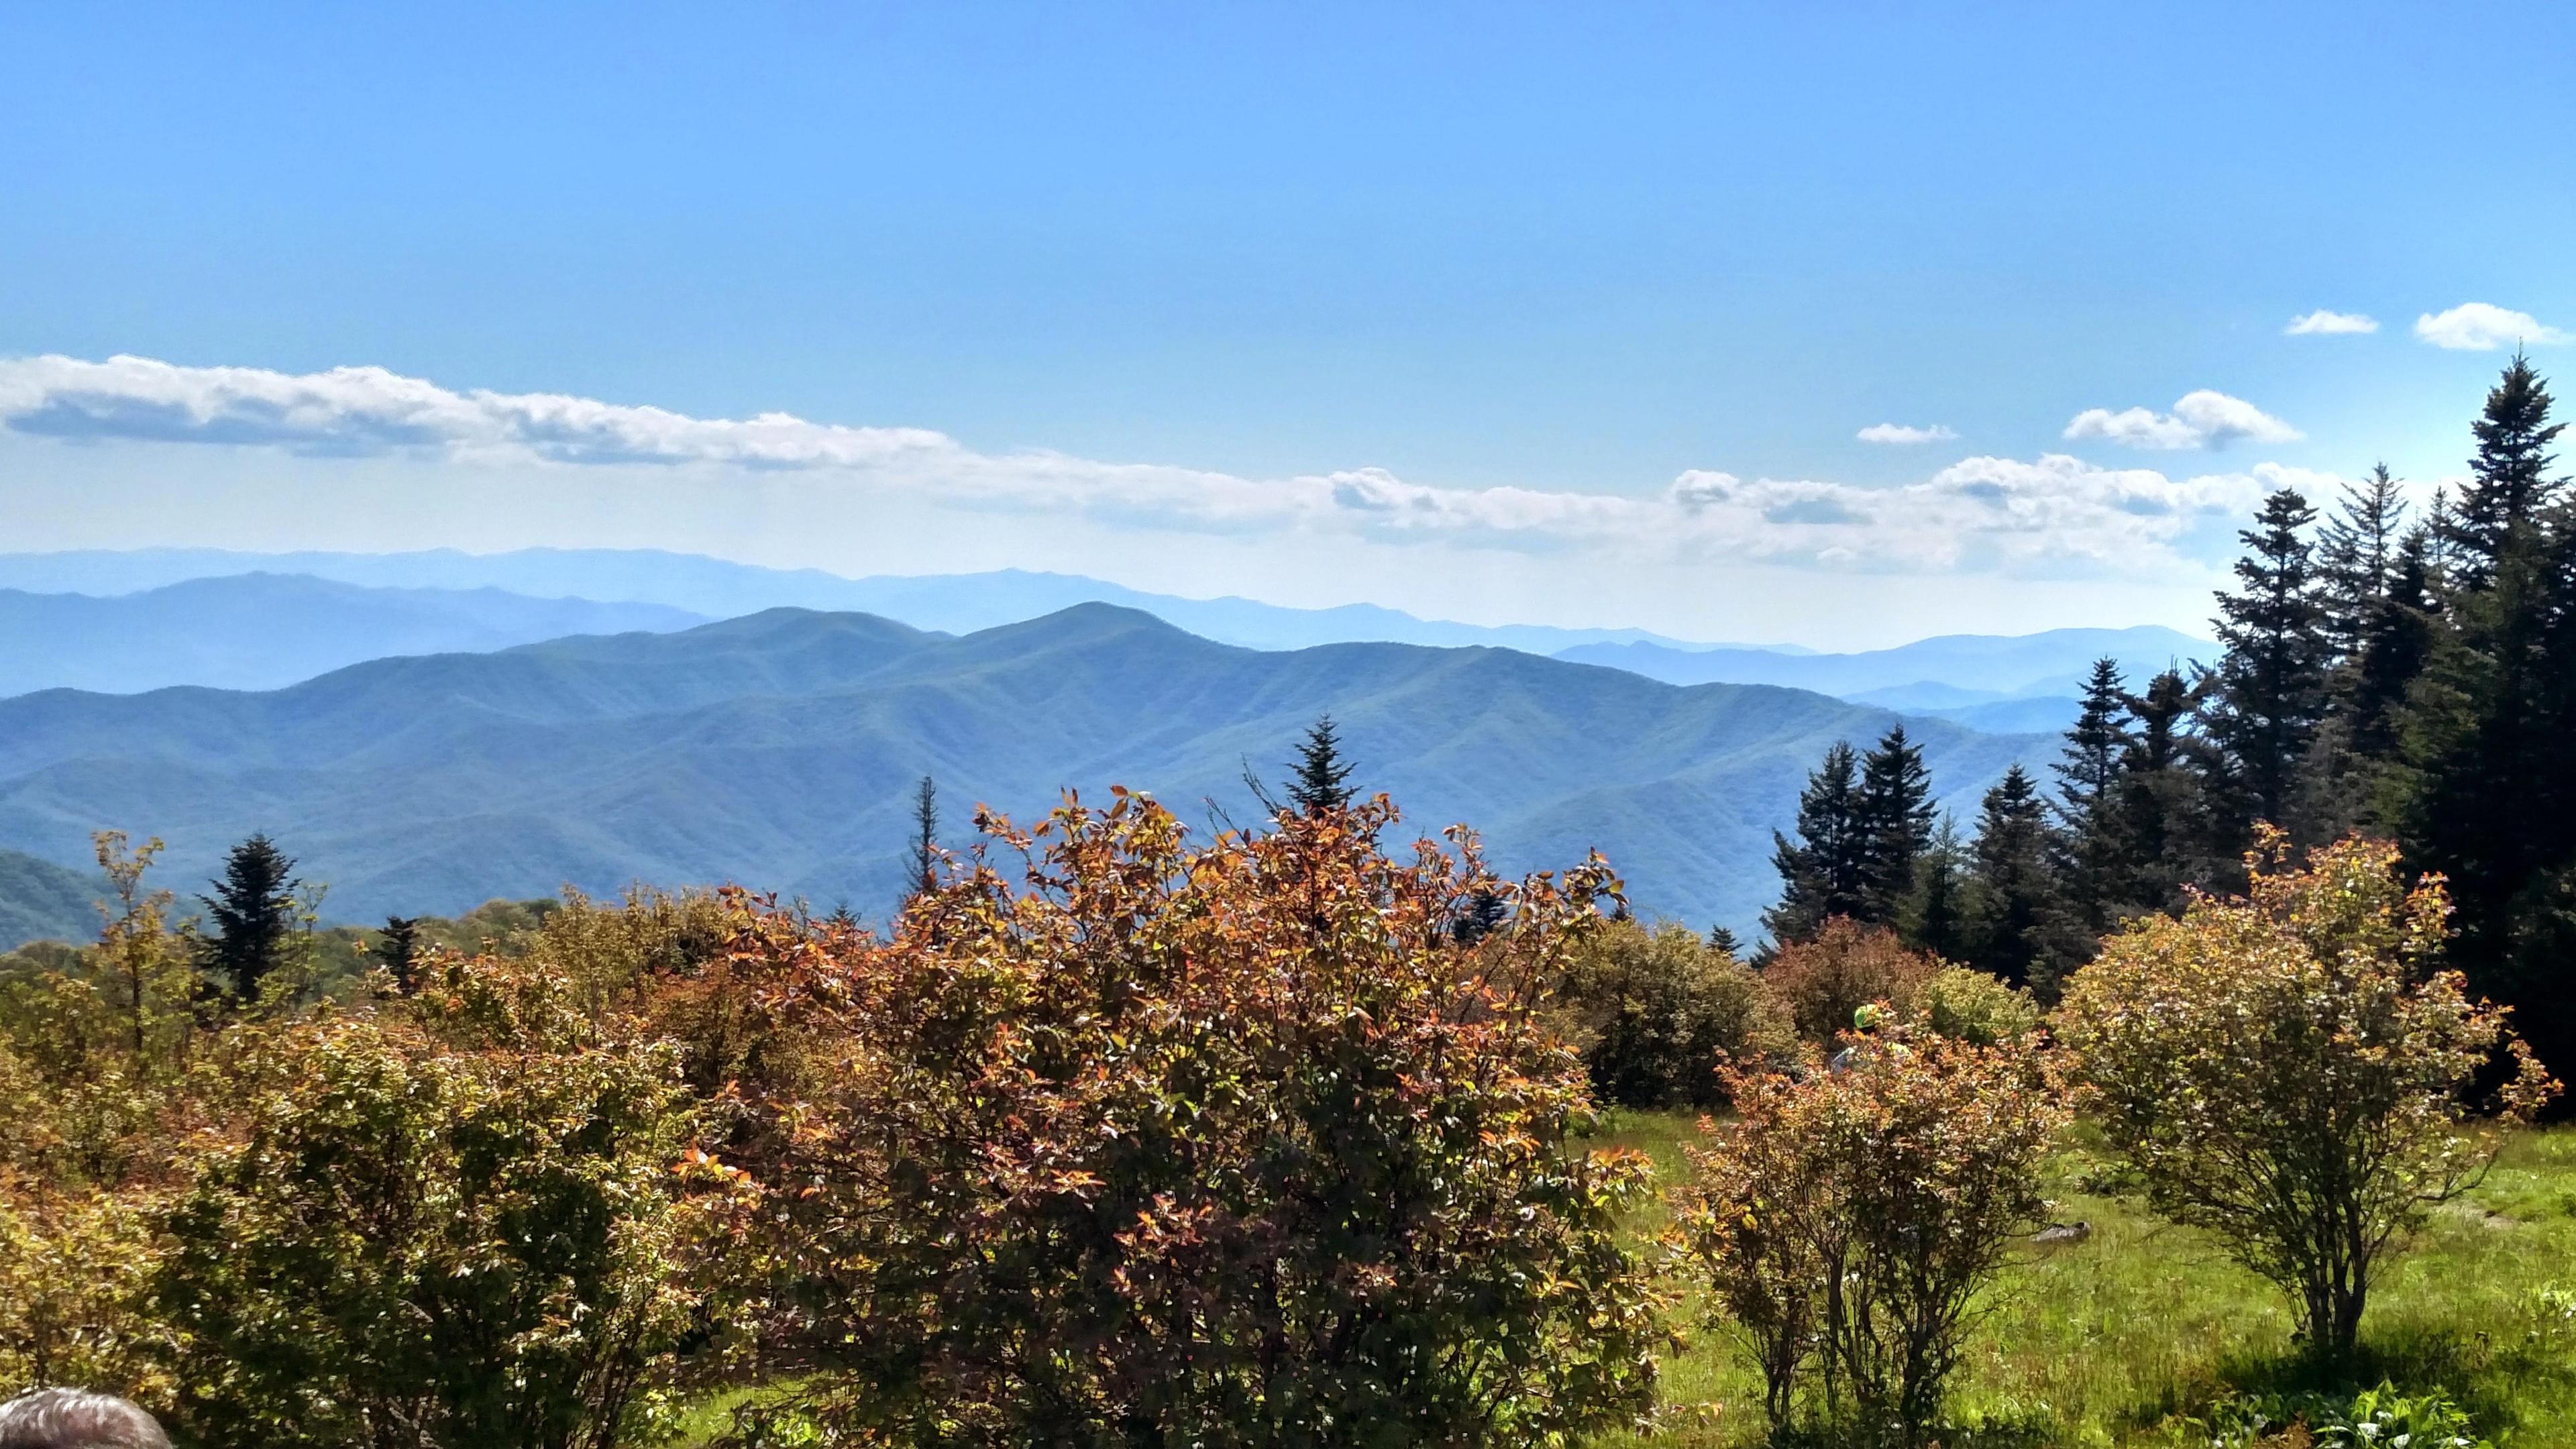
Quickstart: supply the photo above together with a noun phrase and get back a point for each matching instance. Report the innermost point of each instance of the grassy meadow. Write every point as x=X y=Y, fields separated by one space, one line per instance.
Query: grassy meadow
x=2120 y=1339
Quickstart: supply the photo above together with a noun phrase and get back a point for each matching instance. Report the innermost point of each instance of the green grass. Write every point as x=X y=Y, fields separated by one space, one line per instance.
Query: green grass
x=2115 y=1340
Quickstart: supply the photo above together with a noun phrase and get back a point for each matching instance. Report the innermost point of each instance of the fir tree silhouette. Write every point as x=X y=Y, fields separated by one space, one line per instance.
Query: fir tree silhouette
x=253 y=913
x=1320 y=781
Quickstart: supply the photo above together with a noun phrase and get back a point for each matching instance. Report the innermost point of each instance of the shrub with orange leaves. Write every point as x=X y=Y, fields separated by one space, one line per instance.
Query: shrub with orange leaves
x=2290 y=1070
x=1842 y=968
x=1226 y=1145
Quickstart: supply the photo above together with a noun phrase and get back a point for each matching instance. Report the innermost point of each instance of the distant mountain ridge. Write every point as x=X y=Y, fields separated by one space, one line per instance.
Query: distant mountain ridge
x=1949 y=671
x=779 y=750
x=718 y=589
x=265 y=631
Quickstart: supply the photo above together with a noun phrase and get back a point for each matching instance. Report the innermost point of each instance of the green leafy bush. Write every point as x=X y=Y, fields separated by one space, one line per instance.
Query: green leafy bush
x=1658 y=1011
x=477 y=1220
x=2289 y=1072
x=1974 y=1007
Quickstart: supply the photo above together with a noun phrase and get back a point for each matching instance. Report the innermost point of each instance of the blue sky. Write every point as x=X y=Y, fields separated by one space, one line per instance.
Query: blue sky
x=1569 y=314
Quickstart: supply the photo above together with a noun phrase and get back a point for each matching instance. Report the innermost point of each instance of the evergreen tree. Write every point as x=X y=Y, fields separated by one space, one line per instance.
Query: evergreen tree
x=1935 y=916
x=1823 y=873
x=1486 y=912
x=2441 y=524
x=2160 y=818
x=2362 y=552
x=2271 y=684
x=2012 y=896
x=397 y=949
x=2394 y=647
x=1321 y=781
x=925 y=835
x=2356 y=558
x=1895 y=823
x=253 y=911
x=1722 y=941
x=2488 y=793
x=2097 y=745
x=2509 y=482
x=2088 y=784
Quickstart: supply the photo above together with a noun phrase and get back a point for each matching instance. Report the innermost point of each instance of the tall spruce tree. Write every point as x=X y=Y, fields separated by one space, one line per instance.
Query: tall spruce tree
x=1824 y=872
x=2012 y=897
x=2488 y=795
x=1934 y=918
x=2360 y=551
x=1895 y=823
x=2394 y=646
x=2097 y=744
x=2357 y=556
x=925 y=835
x=2441 y=524
x=2162 y=816
x=2270 y=691
x=253 y=913
x=1320 y=780
x=2510 y=485
x=397 y=949
x=2088 y=773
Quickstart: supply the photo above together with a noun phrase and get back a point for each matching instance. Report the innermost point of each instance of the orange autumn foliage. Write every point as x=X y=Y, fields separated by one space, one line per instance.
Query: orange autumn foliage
x=1219 y=1144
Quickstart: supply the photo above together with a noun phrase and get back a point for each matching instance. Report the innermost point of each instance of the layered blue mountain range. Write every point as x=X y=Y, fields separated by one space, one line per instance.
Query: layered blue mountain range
x=779 y=750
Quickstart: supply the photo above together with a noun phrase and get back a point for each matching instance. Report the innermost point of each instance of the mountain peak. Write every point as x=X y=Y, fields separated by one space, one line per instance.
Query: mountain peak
x=1085 y=621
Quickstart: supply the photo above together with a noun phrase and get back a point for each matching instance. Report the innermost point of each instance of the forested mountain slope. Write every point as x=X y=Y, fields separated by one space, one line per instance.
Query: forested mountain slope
x=780 y=750
x=41 y=901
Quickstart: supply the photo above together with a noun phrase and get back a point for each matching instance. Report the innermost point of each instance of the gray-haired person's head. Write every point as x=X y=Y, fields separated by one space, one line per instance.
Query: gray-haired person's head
x=77 y=1419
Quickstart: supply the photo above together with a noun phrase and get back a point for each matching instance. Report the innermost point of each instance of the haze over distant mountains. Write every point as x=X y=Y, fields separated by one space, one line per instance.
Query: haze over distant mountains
x=779 y=750
x=1947 y=671
x=186 y=616
x=264 y=631
x=2007 y=683
x=720 y=589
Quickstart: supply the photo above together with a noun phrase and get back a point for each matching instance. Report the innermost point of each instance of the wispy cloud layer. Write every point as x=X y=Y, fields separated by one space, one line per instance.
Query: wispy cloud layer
x=2322 y=323
x=1901 y=433
x=2053 y=516
x=2484 y=327
x=360 y=410
x=2202 y=419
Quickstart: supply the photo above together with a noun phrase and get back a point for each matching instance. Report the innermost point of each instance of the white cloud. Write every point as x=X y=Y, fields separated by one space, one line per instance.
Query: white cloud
x=2322 y=323
x=2202 y=419
x=1901 y=433
x=2484 y=327
x=366 y=410
x=2056 y=516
